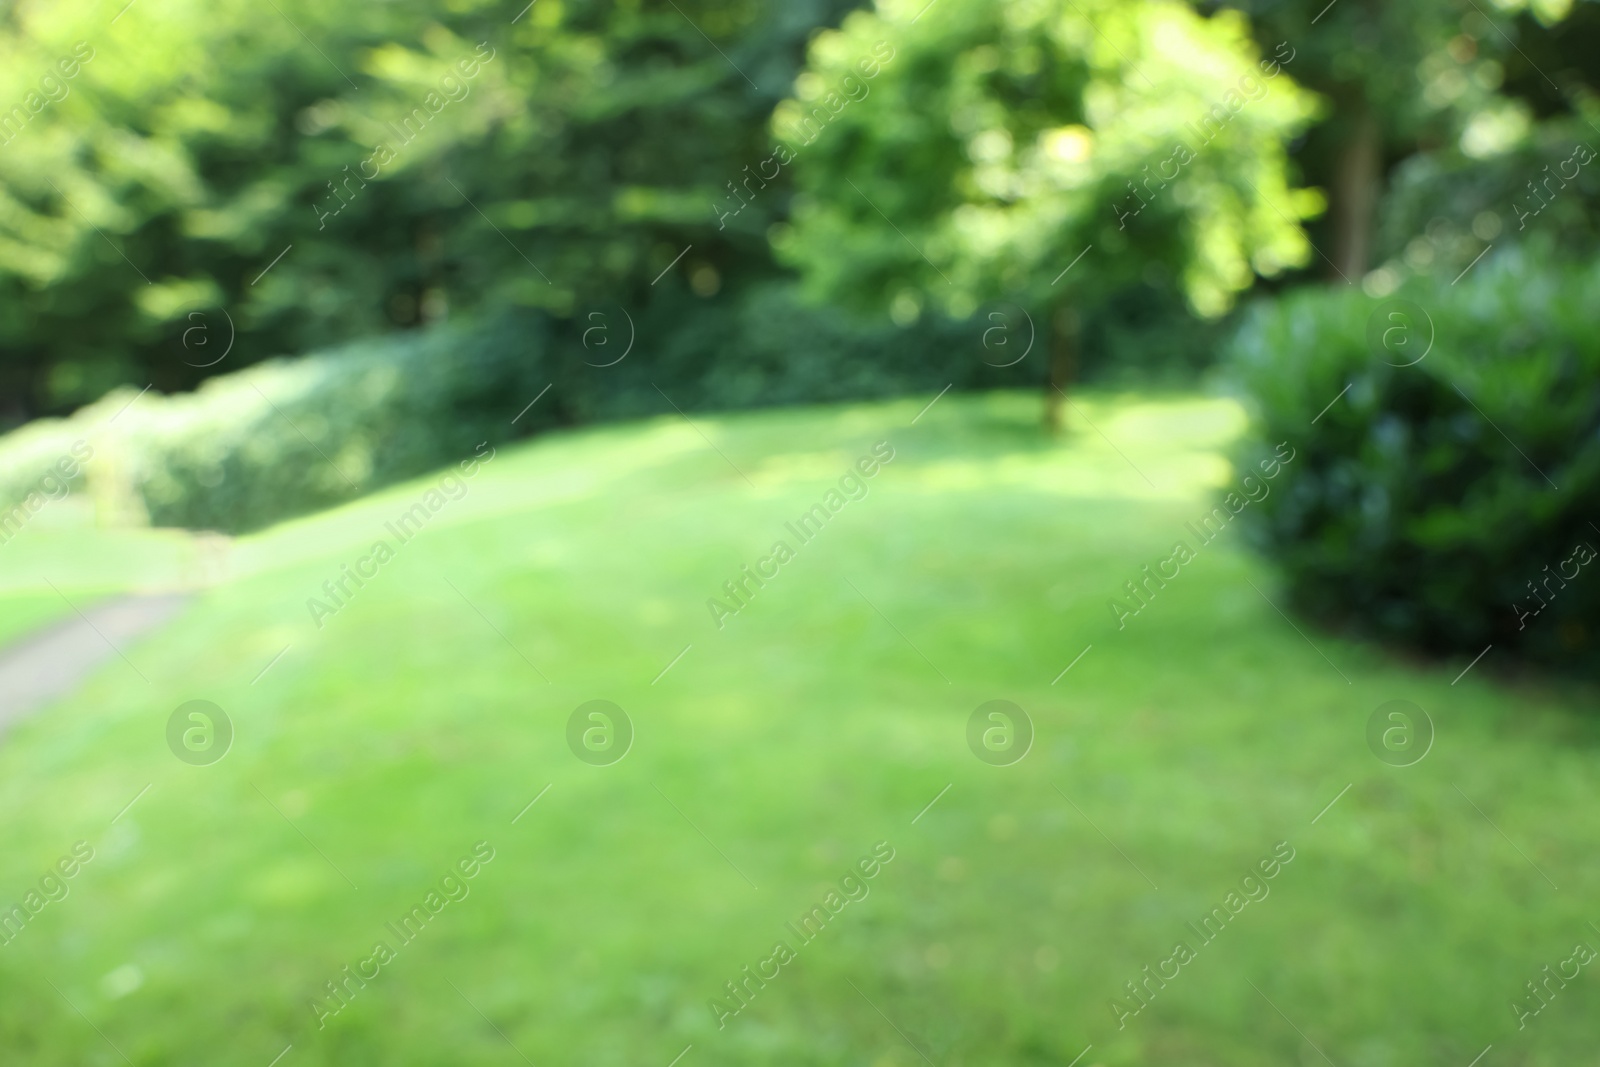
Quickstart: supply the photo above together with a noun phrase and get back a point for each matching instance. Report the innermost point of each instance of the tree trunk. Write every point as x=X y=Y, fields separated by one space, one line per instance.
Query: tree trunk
x=1356 y=176
x=1063 y=363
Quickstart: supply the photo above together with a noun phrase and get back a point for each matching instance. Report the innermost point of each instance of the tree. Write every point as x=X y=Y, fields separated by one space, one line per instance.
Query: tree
x=408 y=160
x=1401 y=75
x=1042 y=153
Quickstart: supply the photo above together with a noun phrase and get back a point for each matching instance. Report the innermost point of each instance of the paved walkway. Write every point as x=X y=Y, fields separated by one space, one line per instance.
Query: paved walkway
x=52 y=662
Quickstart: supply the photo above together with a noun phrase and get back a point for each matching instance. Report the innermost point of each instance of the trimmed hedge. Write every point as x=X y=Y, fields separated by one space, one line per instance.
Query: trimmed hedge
x=43 y=461
x=1439 y=504
x=290 y=436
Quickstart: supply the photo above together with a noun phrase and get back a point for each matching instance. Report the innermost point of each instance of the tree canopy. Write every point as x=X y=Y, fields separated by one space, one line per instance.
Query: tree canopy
x=288 y=175
x=324 y=171
x=1001 y=142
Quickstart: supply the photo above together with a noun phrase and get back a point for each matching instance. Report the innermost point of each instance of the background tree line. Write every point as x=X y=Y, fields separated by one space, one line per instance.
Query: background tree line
x=602 y=140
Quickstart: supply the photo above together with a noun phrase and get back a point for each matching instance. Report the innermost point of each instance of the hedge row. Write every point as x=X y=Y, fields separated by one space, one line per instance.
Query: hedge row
x=291 y=436
x=287 y=437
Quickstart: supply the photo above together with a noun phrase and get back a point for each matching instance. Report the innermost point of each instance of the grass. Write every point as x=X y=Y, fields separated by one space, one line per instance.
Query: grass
x=60 y=561
x=1171 y=758
x=25 y=612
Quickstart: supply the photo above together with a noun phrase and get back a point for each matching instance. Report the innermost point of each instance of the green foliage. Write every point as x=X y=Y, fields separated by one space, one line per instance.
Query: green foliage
x=31 y=456
x=1398 y=76
x=1393 y=56
x=1432 y=502
x=291 y=436
x=766 y=347
x=1147 y=334
x=415 y=161
x=296 y=435
x=972 y=153
x=1444 y=208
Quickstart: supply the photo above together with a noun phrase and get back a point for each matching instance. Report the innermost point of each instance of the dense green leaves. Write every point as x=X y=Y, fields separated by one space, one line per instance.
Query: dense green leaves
x=286 y=437
x=1001 y=141
x=409 y=161
x=1449 y=457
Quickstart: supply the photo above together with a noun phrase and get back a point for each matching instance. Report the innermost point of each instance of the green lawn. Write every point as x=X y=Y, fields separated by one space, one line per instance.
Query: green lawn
x=61 y=560
x=23 y=613
x=779 y=750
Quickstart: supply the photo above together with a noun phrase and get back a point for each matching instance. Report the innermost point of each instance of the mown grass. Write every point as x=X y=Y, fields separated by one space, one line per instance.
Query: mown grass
x=822 y=719
x=60 y=560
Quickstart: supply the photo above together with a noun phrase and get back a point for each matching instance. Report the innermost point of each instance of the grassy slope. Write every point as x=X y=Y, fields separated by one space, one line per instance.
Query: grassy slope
x=806 y=730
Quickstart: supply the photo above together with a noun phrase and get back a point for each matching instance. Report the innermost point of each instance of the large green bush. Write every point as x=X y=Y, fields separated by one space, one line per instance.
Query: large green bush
x=1440 y=503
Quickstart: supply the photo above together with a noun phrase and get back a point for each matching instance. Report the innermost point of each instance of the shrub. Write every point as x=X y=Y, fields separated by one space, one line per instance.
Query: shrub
x=765 y=346
x=285 y=437
x=289 y=436
x=1438 y=503
x=43 y=462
